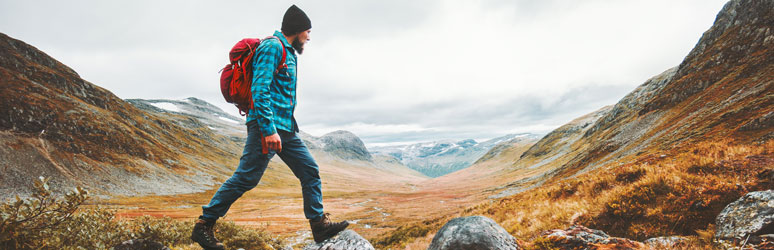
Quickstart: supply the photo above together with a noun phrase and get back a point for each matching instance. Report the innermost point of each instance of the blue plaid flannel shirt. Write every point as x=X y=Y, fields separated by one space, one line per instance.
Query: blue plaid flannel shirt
x=274 y=95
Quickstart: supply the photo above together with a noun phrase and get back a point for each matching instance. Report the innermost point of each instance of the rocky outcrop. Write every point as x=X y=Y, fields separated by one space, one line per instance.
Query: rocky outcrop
x=580 y=237
x=345 y=145
x=346 y=240
x=473 y=233
x=753 y=214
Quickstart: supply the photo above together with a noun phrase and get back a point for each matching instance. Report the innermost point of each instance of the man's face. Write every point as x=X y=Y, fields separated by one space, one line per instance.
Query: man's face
x=302 y=38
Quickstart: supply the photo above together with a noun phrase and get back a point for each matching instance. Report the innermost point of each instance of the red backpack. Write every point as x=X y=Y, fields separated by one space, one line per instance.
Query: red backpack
x=236 y=77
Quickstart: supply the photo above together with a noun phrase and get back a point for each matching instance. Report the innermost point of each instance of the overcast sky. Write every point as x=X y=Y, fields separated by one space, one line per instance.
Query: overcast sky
x=390 y=71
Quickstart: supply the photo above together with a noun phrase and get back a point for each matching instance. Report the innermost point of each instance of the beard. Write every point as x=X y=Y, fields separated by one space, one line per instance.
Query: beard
x=298 y=46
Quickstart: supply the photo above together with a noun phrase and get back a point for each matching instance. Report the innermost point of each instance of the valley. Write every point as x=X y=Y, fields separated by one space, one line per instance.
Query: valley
x=662 y=161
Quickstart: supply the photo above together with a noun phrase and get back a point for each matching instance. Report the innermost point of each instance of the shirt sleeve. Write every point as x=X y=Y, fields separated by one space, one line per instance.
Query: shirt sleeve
x=265 y=62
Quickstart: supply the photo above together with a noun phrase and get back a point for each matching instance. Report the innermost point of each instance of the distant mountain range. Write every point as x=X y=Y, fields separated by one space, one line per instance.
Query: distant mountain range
x=432 y=158
x=341 y=144
x=438 y=158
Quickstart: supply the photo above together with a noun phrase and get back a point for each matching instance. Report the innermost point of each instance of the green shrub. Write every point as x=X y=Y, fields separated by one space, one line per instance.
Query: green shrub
x=234 y=236
x=43 y=221
x=33 y=223
x=164 y=230
x=92 y=229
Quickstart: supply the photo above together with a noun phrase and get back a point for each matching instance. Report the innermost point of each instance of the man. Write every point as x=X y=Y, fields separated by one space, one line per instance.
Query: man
x=271 y=129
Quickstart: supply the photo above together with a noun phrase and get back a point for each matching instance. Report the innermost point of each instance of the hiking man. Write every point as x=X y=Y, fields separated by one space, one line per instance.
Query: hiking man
x=271 y=129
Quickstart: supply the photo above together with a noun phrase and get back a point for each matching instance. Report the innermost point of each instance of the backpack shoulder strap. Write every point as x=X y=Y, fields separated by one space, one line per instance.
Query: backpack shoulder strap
x=284 y=53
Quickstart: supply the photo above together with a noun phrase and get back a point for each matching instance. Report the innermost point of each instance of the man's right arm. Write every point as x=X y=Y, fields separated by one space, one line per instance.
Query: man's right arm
x=267 y=58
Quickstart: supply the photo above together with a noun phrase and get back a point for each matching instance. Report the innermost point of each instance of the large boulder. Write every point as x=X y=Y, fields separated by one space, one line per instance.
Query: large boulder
x=580 y=237
x=473 y=233
x=753 y=214
x=345 y=240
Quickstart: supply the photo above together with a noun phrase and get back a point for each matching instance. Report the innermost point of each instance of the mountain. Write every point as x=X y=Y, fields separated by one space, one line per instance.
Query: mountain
x=545 y=158
x=55 y=124
x=210 y=115
x=342 y=144
x=335 y=148
x=671 y=154
x=438 y=158
x=663 y=161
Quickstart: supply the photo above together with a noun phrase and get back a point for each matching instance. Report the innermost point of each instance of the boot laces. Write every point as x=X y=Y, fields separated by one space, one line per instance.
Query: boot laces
x=209 y=234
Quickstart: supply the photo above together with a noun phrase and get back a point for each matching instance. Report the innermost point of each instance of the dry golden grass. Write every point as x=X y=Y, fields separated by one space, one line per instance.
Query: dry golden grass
x=665 y=193
x=679 y=194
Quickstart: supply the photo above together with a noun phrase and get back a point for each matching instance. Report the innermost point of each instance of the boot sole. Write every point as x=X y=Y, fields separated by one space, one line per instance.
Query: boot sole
x=206 y=247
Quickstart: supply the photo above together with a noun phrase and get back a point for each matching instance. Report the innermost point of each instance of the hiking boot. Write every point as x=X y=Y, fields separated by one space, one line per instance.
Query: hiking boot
x=324 y=229
x=204 y=235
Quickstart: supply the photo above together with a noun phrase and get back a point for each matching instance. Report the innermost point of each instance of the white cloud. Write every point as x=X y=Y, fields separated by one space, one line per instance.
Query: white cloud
x=367 y=129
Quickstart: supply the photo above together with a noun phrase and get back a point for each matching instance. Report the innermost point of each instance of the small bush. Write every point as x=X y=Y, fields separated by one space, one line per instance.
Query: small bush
x=92 y=229
x=234 y=236
x=630 y=176
x=33 y=223
x=599 y=187
x=45 y=222
x=164 y=230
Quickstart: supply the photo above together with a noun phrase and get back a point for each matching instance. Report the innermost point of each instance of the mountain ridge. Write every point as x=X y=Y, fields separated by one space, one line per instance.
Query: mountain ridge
x=663 y=161
x=438 y=158
x=82 y=134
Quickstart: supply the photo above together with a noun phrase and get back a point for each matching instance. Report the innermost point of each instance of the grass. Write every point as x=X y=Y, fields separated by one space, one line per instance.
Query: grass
x=664 y=193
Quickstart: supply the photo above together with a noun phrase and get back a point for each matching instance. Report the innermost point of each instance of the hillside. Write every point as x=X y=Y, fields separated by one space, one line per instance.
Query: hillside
x=336 y=148
x=662 y=161
x=55 y=124
x=210 y=115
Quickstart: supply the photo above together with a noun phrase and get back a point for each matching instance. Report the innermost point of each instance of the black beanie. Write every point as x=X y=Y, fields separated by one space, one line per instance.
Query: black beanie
x=295 y=21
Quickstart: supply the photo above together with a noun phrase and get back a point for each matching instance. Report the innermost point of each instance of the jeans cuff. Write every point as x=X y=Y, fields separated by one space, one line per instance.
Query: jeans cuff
x=208 y=218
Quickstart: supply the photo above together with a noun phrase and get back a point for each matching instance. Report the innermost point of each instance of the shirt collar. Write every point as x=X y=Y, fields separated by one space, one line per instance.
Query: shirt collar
x=284 y=40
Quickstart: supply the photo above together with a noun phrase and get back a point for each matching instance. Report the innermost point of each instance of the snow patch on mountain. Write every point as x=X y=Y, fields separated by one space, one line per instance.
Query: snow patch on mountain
x=166 y=106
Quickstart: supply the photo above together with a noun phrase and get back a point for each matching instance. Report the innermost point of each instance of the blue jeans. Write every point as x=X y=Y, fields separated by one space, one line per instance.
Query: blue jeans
x=253 y=163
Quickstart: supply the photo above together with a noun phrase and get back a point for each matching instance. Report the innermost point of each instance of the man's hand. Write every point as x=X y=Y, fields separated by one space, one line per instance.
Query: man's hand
x=273 y=142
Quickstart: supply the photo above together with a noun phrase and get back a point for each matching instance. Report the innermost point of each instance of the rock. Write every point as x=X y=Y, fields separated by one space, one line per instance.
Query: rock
x=669 y=242
x=140 y=244
x=473 y=233
x=753 y=214
x=761 y=239
x=580 y=237
x=346 y=240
